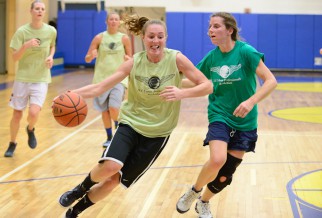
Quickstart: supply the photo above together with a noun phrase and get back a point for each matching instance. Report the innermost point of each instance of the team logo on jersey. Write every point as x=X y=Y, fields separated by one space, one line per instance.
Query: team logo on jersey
x=225 y=71
x=154 y=82
x=112 y=46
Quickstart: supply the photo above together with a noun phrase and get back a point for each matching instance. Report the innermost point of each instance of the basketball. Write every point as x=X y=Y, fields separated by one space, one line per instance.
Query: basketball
x=69 y=109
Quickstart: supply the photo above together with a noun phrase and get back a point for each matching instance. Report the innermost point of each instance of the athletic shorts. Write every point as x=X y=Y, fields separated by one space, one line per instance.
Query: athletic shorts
x=135 y=152
x=236 y=140
x=111 y=98
x=23 y=92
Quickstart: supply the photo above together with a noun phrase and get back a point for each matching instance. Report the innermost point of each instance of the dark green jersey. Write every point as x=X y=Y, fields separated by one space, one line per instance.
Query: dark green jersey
x=233 y=75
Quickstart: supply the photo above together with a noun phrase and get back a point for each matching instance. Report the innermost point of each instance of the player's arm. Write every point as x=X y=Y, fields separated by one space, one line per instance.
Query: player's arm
x=127 y=47
x=94 y=90
x=187 y=83
x=50 y=59
x=268 y=86
x=92 y=50
x=203 y=85
x=18 y=53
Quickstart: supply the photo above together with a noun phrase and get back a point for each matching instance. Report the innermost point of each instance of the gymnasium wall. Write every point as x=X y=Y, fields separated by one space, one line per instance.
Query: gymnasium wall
x=233 y=6
x=288 y=41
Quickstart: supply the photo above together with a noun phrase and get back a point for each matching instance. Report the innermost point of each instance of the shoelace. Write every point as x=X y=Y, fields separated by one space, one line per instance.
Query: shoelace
x=190 y=197
x=205 y=209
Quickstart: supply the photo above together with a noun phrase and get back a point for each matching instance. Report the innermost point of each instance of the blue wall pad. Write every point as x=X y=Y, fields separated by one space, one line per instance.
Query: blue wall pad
x=317 y=44
x=304 y=47
x=286 y=41
x=76 y=29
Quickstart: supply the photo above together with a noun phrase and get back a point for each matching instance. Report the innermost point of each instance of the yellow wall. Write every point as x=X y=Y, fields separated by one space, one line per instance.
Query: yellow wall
x=18 y=13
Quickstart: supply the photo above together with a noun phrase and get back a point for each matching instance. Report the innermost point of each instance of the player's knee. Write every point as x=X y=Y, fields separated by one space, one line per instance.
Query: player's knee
x=225 y=175
x=114 y=180
x=34 y=111
x=217 y=163
x=109 y=168
x=114 y=112
x=17 y=116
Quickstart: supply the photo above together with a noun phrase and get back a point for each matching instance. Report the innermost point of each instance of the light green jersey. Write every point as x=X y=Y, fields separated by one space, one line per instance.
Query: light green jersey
x=32 y=67
x=233 y=75
x=144 y=110
x=110 y=56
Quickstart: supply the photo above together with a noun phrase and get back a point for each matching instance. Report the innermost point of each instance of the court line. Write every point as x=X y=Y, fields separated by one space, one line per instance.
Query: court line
x=49 y=149
x=161 y=179
x=163 y=168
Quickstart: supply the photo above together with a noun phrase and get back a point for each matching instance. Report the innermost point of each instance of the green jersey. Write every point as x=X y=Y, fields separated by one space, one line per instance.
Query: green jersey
x=233 y=75
x=144 y=110
x=110 y=56
x=32 y=67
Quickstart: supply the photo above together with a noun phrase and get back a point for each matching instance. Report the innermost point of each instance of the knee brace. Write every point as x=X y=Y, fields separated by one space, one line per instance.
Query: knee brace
x=225 y=174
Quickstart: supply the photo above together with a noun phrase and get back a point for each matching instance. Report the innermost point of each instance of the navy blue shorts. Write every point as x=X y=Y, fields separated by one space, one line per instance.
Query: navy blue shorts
x=236 y=140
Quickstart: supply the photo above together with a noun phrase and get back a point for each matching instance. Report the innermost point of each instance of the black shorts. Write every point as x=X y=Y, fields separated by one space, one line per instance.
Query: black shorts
x=134 y=151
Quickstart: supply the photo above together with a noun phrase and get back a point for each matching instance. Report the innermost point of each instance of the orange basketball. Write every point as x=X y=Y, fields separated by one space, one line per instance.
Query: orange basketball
x=69 y=109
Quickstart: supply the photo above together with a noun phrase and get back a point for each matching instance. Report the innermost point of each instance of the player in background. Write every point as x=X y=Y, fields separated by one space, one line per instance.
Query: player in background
x=110 y=48
x=33 y=47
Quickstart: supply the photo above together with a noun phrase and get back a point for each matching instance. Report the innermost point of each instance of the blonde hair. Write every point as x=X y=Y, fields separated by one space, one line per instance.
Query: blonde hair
x=34 y=2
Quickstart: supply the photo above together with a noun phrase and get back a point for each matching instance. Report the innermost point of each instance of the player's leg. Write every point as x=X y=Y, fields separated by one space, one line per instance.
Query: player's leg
x=217 y=138
x=100 y=172
x=95 y=194
x=115 y=100
x=111 y=162
x=14 y=128
x=32 y=118
x=38 y=92
x=101 y=104
x=224 y=178
x=18 y=101
x=240 y=142
x=106 y=118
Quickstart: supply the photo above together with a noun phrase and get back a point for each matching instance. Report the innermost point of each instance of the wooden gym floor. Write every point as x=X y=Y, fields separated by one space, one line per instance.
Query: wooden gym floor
x=282 y=179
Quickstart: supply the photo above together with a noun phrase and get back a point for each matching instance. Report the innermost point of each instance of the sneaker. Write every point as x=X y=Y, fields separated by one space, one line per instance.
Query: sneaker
x=70 y=213
x=203 y=209
x=106 y=144
x=184 y=203
x=32 y=141
x=11 y=149
x=69 y=197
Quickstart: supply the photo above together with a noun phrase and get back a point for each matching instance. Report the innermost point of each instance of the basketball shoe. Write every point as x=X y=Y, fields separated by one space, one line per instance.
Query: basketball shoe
x=107 y=144
x=11 y=149
x=70 y=213
x=32 y=141
x=184 y=203
x=69 y=197
x=203 y=209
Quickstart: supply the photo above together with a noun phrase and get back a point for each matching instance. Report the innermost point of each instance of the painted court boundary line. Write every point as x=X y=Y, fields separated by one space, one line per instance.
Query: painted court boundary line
x=49 y=149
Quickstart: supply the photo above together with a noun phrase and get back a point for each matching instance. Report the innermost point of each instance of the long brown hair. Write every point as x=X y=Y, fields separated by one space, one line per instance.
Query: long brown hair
x=230 y=22
x=137 y=25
